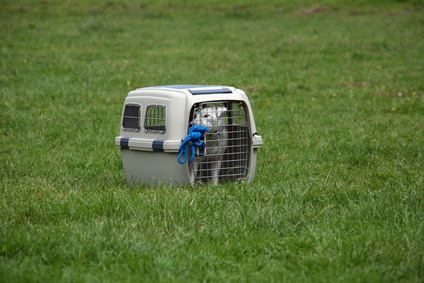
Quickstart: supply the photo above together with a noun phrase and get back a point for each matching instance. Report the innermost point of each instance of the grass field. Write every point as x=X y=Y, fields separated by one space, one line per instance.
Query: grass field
x=337 y=90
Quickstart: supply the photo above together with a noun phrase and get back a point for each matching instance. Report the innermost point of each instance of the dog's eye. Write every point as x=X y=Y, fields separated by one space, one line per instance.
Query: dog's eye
x=206 y=116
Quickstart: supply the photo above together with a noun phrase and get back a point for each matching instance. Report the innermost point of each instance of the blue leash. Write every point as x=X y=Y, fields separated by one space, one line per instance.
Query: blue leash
x=194 y=134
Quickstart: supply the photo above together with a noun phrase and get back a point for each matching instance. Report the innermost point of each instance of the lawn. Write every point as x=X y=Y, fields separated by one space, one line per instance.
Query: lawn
x=337 y=91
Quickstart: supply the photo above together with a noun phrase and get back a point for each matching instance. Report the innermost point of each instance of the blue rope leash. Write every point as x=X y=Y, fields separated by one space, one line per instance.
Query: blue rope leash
x=194 y=134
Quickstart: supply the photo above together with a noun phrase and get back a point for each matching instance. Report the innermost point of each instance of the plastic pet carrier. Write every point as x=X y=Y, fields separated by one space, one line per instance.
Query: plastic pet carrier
x=188 y=134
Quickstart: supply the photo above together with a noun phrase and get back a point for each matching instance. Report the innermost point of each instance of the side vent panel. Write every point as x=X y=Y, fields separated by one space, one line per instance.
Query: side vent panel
x=131 y=117
x=155 y=121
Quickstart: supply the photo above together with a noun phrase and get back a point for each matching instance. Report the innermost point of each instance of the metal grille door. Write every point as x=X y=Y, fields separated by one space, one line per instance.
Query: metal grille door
x=226 y=156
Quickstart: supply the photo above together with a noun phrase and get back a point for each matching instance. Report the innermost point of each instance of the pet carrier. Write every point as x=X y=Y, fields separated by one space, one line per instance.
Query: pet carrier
x=158 y=122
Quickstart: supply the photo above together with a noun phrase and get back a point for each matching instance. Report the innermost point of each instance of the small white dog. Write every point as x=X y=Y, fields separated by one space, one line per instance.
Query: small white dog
x=216 y=140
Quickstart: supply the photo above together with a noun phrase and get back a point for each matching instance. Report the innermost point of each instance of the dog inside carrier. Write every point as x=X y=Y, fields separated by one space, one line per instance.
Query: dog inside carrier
x=188 y=134
x=226 y=144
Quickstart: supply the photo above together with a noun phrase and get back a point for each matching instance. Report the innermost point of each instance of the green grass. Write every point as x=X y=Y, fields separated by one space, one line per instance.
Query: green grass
x=337 y=90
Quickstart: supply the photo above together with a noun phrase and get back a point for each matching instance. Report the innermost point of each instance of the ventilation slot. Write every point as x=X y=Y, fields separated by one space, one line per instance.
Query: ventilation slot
x=131 y=117
x=155 y=121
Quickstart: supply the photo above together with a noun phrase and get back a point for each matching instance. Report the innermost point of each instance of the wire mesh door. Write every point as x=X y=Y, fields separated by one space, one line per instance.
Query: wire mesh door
x=226 y=155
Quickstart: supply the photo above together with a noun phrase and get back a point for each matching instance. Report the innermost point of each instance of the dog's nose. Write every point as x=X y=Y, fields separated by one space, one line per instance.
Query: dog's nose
x=191 y=124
